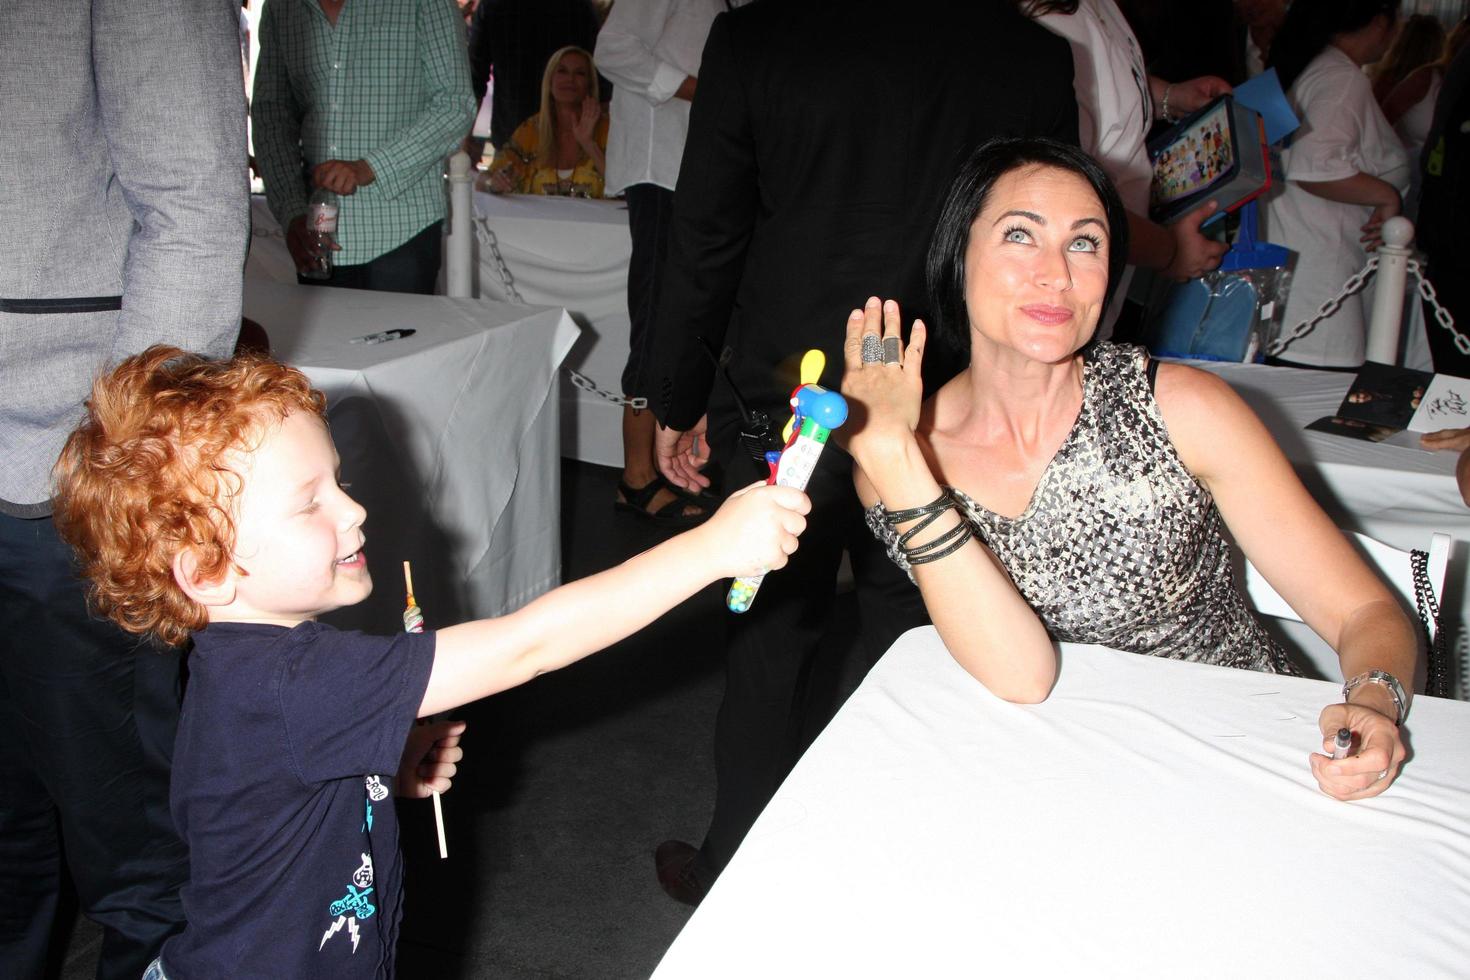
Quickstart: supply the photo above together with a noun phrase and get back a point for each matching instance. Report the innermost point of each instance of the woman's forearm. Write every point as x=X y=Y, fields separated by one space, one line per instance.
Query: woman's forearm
x=984 y=621
x=599 y=159
x=1150 y=245
x=1378 y=636
x=1360 y=188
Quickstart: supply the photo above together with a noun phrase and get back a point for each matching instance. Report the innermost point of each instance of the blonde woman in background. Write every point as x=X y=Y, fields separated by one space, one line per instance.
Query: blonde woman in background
x=1410 y=106
x=562 y=149
x=1420 y=40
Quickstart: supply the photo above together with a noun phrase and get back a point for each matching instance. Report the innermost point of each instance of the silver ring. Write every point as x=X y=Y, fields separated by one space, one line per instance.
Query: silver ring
x=872 y=349
x=1382 y=775
x=891 y=348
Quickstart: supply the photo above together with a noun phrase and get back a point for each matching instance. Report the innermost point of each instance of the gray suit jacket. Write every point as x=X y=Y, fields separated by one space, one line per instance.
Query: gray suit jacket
x=124 y=205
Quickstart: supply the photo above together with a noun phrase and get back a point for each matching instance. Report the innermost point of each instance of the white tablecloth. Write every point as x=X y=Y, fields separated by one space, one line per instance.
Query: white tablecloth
x=1394 y=493
x=558 y=252
x=1150 y=819
x=574 y=254
x=447 y=437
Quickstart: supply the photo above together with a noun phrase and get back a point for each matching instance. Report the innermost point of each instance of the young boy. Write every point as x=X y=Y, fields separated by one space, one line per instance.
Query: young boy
x=202 y=498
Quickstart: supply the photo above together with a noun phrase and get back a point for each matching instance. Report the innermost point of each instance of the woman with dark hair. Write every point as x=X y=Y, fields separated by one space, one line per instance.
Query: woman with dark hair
x=1344 y=170
x=1062 y=489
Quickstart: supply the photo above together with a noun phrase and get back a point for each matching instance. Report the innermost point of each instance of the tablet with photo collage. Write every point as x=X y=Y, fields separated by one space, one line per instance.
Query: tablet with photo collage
x=1215 y=154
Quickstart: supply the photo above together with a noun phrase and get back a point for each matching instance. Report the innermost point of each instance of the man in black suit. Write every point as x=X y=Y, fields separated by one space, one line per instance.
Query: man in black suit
x=821 y=142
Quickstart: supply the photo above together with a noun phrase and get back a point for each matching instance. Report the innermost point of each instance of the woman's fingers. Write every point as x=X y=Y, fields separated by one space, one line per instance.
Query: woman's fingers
x=913 y=358
x=873 y=317
x=892 y=327
x=852 y=346
x=883 y=321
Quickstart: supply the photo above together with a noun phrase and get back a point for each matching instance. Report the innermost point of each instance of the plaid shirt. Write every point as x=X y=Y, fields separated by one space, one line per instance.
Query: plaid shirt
x=390 y=84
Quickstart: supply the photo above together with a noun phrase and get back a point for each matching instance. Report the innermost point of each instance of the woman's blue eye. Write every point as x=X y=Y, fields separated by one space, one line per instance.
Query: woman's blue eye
x=1017 y=235
x=1085 y=243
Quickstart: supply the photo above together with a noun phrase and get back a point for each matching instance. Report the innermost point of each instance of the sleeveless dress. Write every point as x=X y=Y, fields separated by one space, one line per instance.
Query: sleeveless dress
x=1120 y=544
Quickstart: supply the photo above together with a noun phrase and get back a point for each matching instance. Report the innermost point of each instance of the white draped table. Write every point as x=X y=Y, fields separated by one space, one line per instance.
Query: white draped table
x=572 y=253
x=556 y=251
x=1150 y=819
x=448 y=438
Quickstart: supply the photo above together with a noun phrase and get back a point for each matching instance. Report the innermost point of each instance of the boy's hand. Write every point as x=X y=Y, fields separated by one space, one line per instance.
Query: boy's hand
x=755 y=530
x=429 y=758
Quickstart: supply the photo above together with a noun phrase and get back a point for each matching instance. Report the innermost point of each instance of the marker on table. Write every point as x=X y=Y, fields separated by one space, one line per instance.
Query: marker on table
x=384 y=336
x=1341 y=743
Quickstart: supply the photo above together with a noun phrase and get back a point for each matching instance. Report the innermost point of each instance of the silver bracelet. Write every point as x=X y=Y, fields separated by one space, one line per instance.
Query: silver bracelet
x=1395 y=690
x=942 y=546
x=1164 y=103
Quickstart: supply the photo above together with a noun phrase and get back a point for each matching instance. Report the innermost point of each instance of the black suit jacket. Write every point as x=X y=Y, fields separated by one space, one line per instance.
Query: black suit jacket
x=822 y=138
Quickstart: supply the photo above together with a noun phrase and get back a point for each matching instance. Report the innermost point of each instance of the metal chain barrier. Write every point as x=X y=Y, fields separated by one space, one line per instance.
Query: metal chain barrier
x=491 y=244
x=1355 y=283
x=489 y=241
x=1427 y=604
x=1441 y=315
x=1324 y=311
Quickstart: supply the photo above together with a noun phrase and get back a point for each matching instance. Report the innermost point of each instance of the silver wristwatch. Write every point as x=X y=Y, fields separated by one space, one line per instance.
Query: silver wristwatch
x=1395 y=689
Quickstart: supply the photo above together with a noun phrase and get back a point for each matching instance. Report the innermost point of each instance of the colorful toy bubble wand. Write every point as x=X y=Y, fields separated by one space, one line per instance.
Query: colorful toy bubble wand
x=817 y=412
x=413 y=622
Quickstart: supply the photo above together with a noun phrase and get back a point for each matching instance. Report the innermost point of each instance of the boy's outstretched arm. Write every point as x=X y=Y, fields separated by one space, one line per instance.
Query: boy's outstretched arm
x=755 y=529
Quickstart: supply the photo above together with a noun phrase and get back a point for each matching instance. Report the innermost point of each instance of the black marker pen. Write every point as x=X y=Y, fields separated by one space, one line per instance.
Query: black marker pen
x=384 y=337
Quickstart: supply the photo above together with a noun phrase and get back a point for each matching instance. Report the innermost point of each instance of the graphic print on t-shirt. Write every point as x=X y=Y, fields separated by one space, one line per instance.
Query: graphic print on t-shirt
x=354 y=906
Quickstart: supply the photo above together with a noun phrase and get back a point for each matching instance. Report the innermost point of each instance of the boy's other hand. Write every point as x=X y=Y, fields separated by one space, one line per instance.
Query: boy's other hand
x=429 y=759
x=755 y=530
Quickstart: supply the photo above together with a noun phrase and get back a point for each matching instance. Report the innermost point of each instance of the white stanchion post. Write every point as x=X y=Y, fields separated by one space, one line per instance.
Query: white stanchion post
x=459 y=249
x=1386 y=318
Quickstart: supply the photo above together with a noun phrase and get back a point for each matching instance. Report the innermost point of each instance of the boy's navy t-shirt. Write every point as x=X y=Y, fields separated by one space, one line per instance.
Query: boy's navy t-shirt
x=287 y=746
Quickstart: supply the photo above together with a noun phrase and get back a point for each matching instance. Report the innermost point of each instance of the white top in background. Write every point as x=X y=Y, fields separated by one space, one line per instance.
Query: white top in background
x=647 y=48
x=1343 y=133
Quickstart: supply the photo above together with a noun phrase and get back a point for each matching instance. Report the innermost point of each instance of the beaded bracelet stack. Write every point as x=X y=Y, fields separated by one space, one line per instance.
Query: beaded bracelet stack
x=941 y=547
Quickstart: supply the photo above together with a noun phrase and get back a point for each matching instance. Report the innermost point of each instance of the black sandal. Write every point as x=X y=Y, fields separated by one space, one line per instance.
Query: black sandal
x=670 y=514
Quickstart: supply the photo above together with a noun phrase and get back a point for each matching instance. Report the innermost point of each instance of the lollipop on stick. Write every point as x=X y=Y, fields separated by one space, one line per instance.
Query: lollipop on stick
x=413 y=622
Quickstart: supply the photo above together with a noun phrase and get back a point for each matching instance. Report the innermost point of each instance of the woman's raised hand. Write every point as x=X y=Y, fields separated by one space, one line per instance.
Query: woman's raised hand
x=587 y=121
x=884 y=390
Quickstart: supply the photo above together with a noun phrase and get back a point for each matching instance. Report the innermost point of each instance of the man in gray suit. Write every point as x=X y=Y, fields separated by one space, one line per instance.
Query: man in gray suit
x=123 y=223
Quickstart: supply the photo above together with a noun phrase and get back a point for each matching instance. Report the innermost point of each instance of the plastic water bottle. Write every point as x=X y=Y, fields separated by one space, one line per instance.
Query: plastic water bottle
x=321 y=223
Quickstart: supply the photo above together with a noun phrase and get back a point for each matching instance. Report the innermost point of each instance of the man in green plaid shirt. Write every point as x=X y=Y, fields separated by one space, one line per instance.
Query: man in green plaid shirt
x=364 y=98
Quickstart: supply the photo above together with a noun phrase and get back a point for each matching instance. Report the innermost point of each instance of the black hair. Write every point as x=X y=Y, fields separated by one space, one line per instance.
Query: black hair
x=1311 y=24
x=945 y=269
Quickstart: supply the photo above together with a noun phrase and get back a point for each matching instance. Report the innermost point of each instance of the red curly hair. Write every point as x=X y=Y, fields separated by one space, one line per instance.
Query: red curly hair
x=146 y=476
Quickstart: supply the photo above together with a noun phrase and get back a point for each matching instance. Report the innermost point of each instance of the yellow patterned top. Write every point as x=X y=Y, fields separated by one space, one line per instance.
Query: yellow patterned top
x=518 y=157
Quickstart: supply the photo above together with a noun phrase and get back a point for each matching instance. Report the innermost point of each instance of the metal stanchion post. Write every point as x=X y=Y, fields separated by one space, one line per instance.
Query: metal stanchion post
x=1385 y=320
x=459 y=252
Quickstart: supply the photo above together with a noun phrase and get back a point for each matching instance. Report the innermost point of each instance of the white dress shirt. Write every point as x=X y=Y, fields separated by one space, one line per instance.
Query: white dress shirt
x=647 y=48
